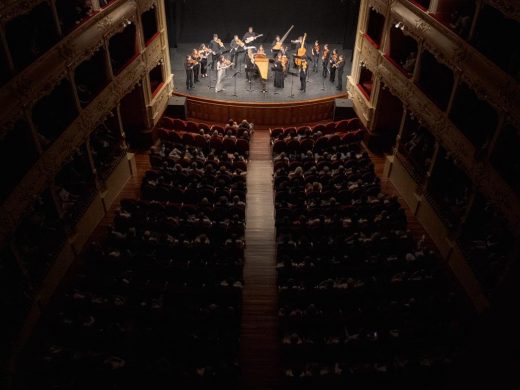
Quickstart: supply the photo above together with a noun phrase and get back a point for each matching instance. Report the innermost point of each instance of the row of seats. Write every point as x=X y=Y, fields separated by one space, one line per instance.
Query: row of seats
x=344 y=125
x=243 y=129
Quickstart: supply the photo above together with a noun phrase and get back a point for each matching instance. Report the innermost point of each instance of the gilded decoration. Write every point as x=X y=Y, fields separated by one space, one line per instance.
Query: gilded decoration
x=51 y=161
x=14 y=8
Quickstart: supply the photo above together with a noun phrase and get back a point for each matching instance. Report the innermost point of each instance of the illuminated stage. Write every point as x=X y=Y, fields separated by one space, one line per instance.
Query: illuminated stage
x=241 y=99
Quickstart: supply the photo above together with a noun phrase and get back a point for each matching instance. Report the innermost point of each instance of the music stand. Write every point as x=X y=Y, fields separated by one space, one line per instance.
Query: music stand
x=235 y=77
x=292 y=83
x=209 y=85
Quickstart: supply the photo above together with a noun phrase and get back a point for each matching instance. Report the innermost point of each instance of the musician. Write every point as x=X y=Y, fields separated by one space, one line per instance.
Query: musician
x=275 y=42
x=325 y=57
x=315 y=52
x=303 y=75
x=204 y=53
x=277 y=68
x=248 y=35
x=216 y=47
x=340 y=65
x=222 y=65
x=196 y=67
x=297 y=42
x=285 y=61
x=250 y=65
x=332 y=65
x=261 y=50
x=236 y=47
x=188 y=66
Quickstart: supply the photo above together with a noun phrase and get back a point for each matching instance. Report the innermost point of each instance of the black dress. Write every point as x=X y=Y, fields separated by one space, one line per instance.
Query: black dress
x=278 y=74
x=340 y=66
x=188 y=66
x=303 y=78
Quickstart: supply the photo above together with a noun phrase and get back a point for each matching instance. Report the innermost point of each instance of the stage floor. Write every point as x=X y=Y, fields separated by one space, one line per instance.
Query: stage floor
x=317 y=86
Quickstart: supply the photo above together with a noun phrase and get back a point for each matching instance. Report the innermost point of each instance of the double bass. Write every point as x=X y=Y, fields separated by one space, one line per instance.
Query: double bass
x=302 y=51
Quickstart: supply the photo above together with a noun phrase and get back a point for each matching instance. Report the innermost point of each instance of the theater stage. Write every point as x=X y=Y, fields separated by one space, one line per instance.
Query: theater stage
x=317 y=86
x=276 y=107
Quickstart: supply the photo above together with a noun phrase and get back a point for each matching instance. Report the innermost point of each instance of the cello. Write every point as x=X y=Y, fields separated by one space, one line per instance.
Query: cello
x=301 y=52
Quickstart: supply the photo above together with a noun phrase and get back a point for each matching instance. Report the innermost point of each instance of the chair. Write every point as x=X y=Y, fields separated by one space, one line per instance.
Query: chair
x=334 y=140
x=192 y=127
x=167 y=122
x=289 y=131
x=302 y=130
x=204 y=127
x=294 y=164
x=279 y=146
x=354 y=124
x=306 y=144
x=229 y=145
x=319 y=127
x=215 y=143
x=275 y=133
x=293 y=145
x=200 y=142
x=162 y=133
x=175 y=137
x=342 y=125
x=242 y=146
x=187 y=139
x=179 y=124
x=321 y=143
x=240 y=165
x=280 y=164
x=330 y=128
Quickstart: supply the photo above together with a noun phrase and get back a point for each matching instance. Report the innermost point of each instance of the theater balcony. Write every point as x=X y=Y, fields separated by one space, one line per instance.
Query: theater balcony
x=454 y=110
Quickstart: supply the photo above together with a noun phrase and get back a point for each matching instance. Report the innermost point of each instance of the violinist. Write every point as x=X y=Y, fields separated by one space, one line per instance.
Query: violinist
x=315 y=52
x=325 y=60
x=222 y=65
x=285 y=61
x=340 y=65
x=236 y=47
x=216 y=46
x=275 y=42
x=196 y=67
x=332 y=65
x=204 y=52
x=188 y=66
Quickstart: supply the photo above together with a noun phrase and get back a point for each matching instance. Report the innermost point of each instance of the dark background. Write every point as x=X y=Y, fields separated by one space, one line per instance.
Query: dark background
x=331 y=21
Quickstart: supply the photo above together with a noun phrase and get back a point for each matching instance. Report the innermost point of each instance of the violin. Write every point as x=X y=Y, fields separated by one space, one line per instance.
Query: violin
x=220 y=43
x=240 y=42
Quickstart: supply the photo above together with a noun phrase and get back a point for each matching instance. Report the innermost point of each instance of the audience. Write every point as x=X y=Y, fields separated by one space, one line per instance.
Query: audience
x=362 y=303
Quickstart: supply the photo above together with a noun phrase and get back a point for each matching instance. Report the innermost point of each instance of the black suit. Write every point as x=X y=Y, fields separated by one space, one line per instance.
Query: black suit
x=215 y=48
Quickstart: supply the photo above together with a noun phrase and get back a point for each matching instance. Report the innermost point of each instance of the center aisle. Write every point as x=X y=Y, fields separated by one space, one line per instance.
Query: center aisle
x=259 y=350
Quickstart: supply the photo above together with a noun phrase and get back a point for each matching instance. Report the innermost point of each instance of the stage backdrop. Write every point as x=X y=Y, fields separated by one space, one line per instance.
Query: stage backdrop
x=330 y=21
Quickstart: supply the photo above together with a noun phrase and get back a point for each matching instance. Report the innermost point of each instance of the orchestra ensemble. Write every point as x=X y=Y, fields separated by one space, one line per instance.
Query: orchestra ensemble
x=257 y=61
